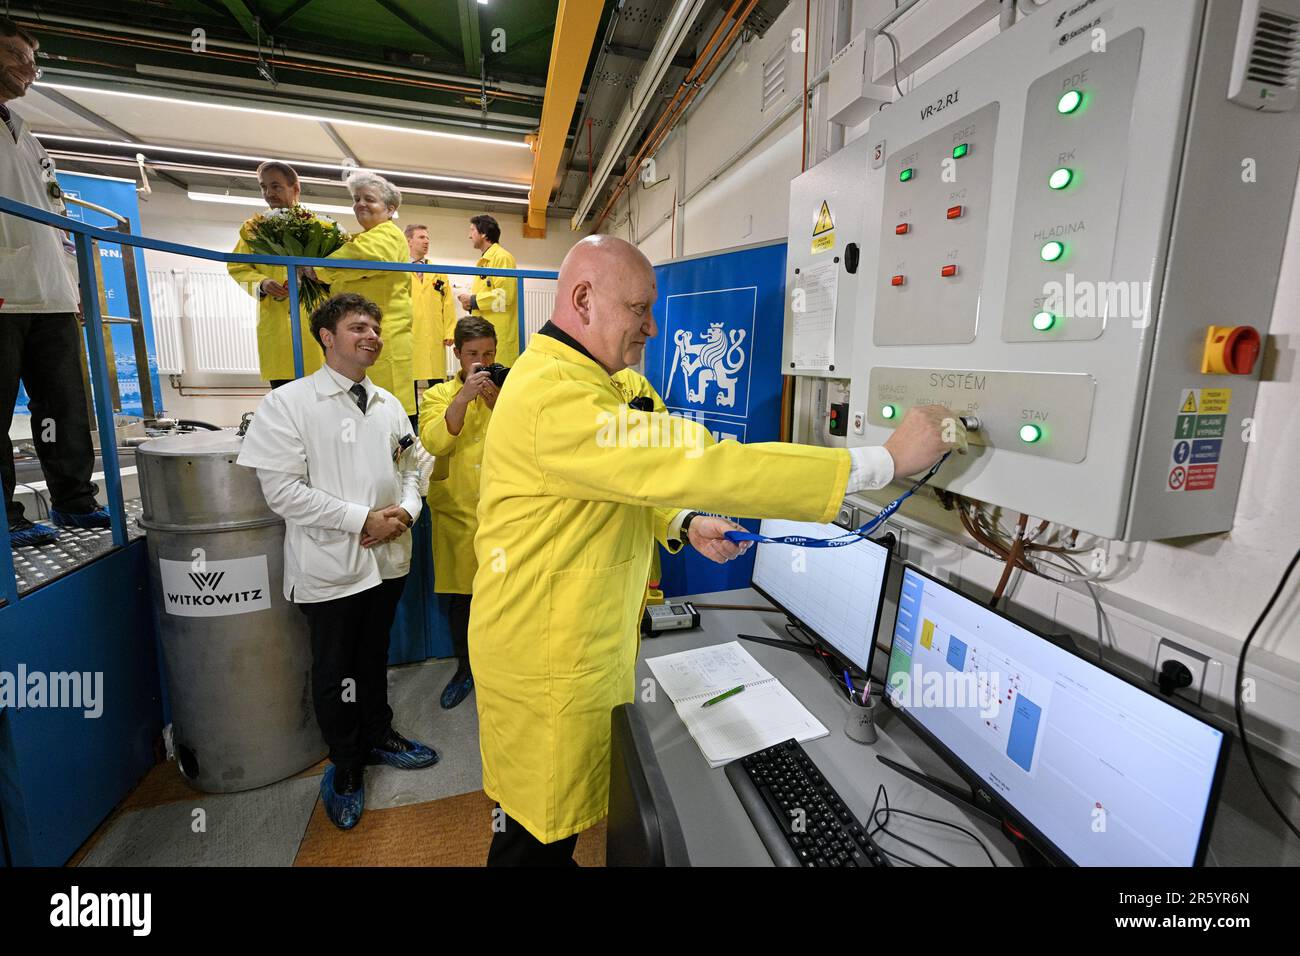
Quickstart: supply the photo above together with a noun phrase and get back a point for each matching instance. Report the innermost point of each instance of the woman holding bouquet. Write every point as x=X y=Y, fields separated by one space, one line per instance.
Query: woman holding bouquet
x=374 y=201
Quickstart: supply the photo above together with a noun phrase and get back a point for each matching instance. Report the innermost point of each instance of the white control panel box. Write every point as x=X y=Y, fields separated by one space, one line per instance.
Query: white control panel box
x=1064 y=215
x=824 y=268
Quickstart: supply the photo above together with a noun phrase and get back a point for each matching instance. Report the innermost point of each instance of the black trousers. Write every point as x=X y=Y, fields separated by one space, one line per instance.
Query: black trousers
x=349 y=642
x=458 y=618
x=43 y=351
x=515 y=846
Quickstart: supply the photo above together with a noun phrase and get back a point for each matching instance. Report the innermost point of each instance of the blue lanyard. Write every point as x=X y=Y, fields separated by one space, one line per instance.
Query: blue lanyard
x=800 y=541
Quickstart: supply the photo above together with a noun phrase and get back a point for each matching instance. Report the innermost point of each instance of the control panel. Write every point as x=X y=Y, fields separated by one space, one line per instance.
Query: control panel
x=1078 y=236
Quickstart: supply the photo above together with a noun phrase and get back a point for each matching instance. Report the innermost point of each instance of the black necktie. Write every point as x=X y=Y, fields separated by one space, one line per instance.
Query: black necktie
x=359 y=392
x=8 y=121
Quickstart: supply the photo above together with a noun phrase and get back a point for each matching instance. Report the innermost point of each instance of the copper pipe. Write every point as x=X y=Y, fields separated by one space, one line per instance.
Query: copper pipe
x=706 y=64
x=670 y=112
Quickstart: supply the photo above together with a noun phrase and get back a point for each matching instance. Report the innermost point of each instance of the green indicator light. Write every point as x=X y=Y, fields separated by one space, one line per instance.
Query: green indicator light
x=1060 y=178
x=1052 y=251
x=1030 y=434
x=1069 y=102
x=905 y=175
x=960 y=150
x=888 y=411
x=1044 y=321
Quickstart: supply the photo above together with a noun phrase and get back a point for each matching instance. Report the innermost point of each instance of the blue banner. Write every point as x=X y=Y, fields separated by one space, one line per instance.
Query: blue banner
x=717 y=359
x=118 y=195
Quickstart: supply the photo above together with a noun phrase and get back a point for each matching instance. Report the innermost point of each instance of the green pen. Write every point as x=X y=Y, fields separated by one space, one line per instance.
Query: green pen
x=724 y=696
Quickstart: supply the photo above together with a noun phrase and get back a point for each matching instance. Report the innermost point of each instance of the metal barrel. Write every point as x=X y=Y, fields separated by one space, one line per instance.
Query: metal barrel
x=237 y=655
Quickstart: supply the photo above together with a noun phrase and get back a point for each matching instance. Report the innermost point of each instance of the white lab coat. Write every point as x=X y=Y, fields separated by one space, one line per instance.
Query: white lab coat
x=36 y=273
x=323 y=465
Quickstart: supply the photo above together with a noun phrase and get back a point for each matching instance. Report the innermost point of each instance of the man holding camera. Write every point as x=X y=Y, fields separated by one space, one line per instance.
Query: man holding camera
x=454 y=417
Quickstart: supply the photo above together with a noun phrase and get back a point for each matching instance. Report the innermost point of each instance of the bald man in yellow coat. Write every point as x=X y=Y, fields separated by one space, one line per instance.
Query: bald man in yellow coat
x=568 y=511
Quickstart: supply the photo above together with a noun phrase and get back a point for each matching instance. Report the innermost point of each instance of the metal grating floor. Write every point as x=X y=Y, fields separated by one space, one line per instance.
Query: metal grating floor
x=34 y=567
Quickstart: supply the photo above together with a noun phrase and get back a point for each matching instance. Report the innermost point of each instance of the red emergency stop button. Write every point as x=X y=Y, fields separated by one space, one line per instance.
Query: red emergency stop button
x=896 y=280
x=1230 y=350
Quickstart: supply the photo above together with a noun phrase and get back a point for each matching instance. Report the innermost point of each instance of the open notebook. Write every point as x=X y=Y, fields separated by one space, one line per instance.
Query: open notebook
x=765 y=713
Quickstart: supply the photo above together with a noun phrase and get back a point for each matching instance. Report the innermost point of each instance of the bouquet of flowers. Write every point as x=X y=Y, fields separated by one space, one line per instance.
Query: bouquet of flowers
x=296 y=231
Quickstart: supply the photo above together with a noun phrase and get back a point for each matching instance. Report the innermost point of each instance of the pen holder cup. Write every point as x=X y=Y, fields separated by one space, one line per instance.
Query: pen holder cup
x=861 y=724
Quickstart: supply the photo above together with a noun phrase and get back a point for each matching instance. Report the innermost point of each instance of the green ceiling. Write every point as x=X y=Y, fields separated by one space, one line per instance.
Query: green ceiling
x=513 y=37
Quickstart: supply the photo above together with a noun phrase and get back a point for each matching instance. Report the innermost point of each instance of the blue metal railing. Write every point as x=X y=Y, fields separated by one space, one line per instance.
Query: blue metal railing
x=83 y=234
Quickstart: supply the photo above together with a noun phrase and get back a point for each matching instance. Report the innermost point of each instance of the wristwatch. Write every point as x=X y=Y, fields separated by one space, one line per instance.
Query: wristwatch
x=686 y=523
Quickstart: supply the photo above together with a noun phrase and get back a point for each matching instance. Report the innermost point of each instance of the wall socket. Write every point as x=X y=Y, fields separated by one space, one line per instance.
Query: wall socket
x=1195 y=662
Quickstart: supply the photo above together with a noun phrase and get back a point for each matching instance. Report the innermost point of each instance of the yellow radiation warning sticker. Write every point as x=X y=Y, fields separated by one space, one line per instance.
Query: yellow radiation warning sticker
x=823 y=235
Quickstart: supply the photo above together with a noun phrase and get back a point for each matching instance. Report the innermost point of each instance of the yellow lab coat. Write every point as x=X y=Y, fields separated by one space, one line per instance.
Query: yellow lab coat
x=497 y=299
x=454 y=486
x=433 y=321
x=567 y=516
x=274 y=347
x=391 y=291
x=632 y=384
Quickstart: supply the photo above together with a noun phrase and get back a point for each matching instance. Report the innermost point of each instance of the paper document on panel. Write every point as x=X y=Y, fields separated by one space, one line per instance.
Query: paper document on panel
x=812 y=303
x=705 y=670
x=763 y=714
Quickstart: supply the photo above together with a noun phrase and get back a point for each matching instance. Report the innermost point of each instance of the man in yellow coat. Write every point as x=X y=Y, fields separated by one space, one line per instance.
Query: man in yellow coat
x=280 y=189
x=433 y=312
x=495 y=298
x=454 y=418
x=569 y=505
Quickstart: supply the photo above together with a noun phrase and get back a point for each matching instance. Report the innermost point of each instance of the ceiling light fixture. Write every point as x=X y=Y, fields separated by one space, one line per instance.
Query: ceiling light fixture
x=490 y=183
x=198 y=196
x=481 y=140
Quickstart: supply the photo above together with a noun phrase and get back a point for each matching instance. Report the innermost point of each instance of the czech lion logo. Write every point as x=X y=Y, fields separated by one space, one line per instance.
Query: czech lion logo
x=717 y=359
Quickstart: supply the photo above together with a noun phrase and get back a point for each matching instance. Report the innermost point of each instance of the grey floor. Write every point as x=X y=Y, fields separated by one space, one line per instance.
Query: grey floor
x=264 y=827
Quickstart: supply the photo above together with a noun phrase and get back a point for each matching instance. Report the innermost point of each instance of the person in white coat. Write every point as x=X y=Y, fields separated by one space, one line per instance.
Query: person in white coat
x=40 y=337
x=337 y=460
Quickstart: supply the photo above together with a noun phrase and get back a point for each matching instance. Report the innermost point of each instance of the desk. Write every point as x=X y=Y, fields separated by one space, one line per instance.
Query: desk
x=717 y=830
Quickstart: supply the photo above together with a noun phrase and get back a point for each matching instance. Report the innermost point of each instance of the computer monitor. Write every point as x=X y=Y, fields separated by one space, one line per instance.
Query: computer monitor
x=1092 y=768
x=835 y=594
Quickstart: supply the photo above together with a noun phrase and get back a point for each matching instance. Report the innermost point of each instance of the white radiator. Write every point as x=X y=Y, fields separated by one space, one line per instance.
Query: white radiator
x=165 y=307
x=539 y=303
x=221 y=319
x=203 y=322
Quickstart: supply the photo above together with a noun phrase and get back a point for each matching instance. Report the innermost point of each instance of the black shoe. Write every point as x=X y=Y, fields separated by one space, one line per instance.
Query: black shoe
x=397 y=751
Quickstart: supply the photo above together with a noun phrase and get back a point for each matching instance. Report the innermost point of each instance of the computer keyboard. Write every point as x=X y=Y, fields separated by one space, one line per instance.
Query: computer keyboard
x=799 y=817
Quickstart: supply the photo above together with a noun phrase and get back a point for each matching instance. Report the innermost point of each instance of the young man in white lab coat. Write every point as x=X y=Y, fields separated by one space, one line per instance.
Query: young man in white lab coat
x=40 y=338
x=337 y=460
